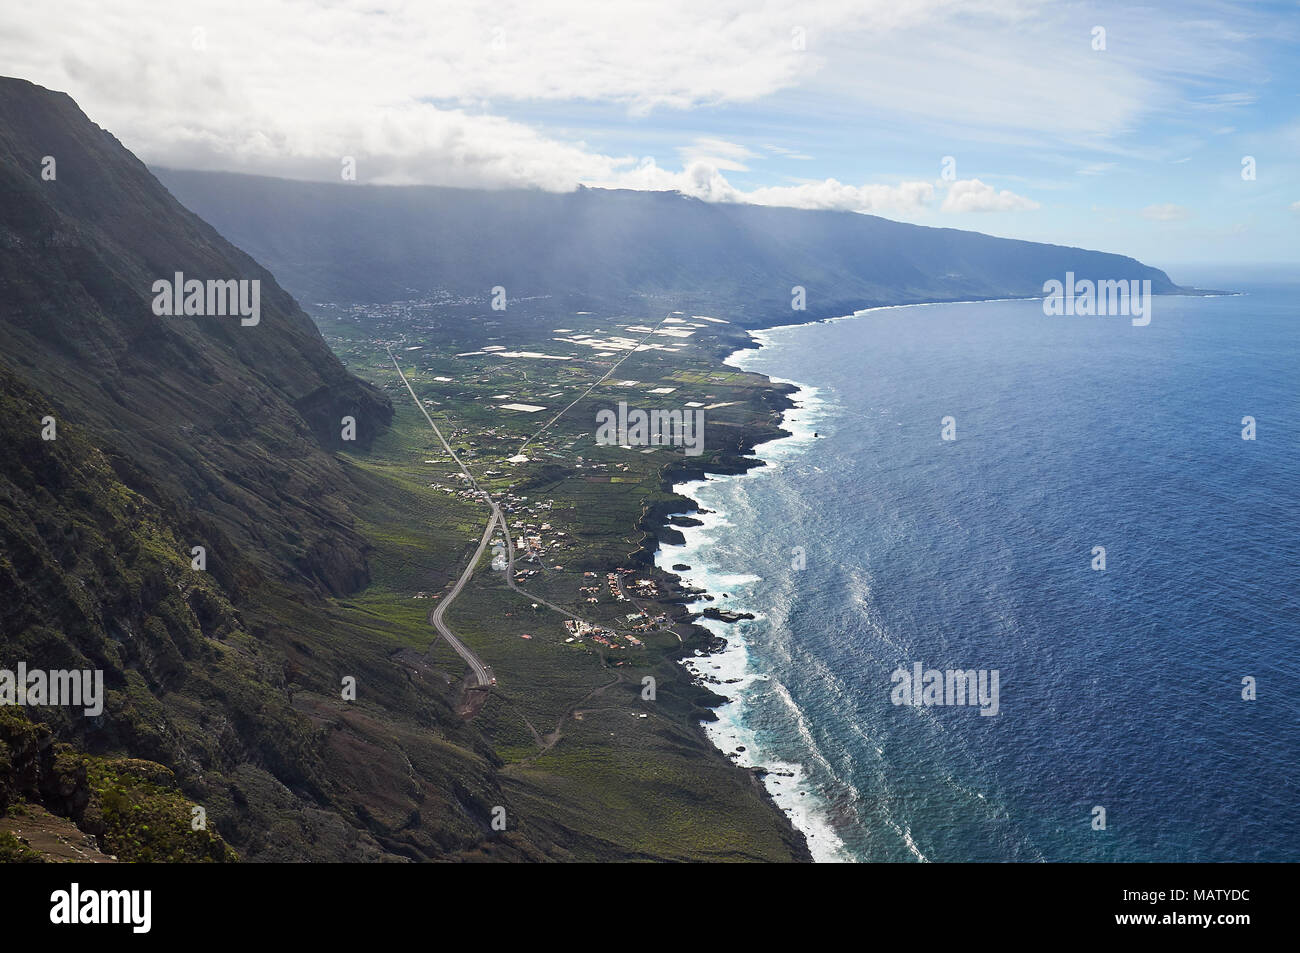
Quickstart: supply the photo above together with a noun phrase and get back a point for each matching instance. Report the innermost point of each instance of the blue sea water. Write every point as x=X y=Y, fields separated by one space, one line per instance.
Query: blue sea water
x=1119 y=688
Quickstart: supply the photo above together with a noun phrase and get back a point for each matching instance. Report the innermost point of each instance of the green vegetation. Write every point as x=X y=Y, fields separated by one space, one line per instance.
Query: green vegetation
x=14 y=851
x=587 y=761
x=292 y=688
x=144 y=817
x=560 y=743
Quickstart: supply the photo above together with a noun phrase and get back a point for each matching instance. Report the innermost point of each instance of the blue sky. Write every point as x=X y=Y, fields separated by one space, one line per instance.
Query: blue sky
x=1134 y=144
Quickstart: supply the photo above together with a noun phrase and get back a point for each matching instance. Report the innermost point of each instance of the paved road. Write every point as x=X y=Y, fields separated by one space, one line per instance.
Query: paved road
x=482 y=673
x=510 y=576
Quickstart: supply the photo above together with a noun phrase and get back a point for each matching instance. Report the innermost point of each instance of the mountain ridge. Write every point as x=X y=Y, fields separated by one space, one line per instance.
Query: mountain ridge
x=167 y=433
x=176 y=393
x=348 y=242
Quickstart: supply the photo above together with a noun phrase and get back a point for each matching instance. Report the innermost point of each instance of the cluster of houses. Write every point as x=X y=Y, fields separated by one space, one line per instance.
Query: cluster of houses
x=579 y=630
x=640 y=622
x=460 y=489
x=646 y=588
x=611 y=578
x=534 y=538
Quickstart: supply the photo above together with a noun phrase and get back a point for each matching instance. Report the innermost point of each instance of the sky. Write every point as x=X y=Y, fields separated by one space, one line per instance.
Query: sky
x=1168 y=131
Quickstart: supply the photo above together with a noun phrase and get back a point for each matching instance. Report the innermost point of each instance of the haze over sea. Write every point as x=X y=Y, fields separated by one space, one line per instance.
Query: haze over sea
x=1119 y=688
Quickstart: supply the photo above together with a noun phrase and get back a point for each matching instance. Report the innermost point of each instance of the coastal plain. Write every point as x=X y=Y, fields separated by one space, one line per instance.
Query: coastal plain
x=586 y=755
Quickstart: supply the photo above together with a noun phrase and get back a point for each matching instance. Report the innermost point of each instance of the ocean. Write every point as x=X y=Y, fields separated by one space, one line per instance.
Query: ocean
x=877 y=545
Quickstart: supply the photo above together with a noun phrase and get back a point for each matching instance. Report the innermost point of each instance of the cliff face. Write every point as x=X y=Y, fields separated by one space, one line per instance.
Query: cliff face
x=596 y=248
x=128 y=438
x=233 y=418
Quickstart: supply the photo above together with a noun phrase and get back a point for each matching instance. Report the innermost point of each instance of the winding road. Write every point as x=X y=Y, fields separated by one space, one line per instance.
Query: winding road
x=482 y=673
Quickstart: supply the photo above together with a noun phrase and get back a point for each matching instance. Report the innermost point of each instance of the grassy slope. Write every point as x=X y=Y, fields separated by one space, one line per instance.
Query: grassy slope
x=240 y=703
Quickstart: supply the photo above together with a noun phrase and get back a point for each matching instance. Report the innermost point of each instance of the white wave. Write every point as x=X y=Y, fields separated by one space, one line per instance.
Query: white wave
x=787 y=782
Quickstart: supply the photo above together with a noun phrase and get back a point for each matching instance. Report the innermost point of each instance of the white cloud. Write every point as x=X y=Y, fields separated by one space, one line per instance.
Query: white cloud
x=704 y=181
x=1167 y=212
x=422 y=92
x=1023 y=73
x=1295 y=207
x=412 y=90
x=972 y=195
x=1224 y=101
x=830 y=194
x=718 y=153
x=785 y=153
x=332 y=58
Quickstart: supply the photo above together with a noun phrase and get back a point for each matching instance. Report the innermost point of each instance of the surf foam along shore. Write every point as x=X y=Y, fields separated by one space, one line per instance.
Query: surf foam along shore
x=732 y=671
